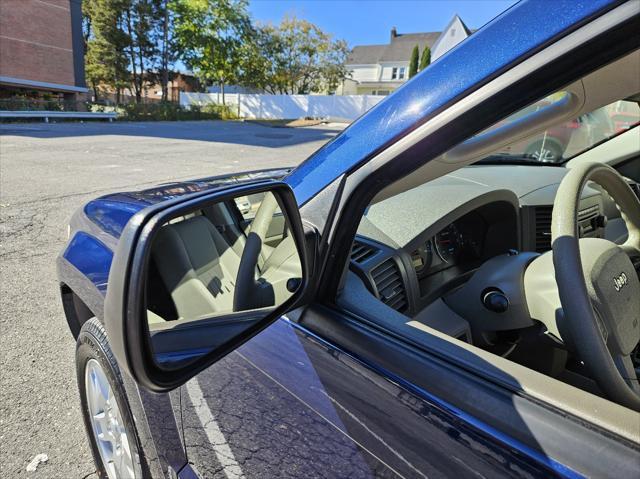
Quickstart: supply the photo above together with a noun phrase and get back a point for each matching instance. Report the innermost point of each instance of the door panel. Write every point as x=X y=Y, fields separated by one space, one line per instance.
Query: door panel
x=160 y=433
x=287 y=405
x=239 y=421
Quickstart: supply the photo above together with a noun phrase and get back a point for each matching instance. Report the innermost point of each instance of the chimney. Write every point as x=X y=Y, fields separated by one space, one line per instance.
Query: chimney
x=394 y=33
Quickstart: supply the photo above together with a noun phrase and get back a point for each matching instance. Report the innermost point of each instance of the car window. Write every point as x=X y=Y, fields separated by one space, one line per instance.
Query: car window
x=568 y=139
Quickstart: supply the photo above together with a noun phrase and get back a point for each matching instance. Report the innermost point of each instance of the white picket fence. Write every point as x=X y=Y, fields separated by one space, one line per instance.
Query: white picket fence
x=274 y=107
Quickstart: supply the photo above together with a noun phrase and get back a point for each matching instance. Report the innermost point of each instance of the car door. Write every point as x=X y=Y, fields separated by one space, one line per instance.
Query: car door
x=289 y=404
x=321 y=394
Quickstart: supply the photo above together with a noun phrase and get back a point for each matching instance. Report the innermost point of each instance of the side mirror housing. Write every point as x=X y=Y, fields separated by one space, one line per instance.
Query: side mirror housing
x=195 y=277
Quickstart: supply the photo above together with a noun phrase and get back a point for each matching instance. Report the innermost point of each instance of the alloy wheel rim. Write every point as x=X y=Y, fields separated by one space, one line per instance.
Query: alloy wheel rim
x=544 y=155
x=106 y=423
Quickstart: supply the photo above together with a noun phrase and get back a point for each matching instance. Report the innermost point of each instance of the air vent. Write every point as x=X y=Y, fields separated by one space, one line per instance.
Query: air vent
x=543 y=228
x=361 y=252
x=388 y=281
x=588 y=213
x=543 y=224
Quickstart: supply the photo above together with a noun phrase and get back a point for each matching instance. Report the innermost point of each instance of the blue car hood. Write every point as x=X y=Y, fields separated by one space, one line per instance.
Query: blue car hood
x=112 y=212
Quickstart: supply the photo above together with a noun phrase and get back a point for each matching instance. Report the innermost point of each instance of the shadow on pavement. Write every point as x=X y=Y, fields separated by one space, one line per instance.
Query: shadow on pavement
x=234 y=132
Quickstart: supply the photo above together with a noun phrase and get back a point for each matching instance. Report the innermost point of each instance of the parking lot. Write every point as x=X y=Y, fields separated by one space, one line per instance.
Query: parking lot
x=46 y=172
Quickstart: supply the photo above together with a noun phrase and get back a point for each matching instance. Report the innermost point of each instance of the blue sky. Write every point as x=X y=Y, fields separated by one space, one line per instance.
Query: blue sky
x=369 y=21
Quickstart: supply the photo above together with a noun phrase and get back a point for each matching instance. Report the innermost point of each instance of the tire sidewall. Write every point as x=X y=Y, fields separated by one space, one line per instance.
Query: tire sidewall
x=92 y=344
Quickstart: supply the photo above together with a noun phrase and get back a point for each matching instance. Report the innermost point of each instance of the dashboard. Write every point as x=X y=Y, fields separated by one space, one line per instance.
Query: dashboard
x=417 y=247
x=448 y=257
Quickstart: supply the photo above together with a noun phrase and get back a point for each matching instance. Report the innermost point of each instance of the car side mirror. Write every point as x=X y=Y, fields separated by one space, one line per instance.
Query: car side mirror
x=194 y=278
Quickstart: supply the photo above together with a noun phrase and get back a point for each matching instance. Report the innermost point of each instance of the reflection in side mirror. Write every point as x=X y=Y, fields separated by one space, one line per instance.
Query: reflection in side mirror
x=216 y=271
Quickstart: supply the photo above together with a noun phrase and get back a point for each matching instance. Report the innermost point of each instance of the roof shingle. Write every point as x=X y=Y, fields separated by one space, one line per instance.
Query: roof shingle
x=398 y=50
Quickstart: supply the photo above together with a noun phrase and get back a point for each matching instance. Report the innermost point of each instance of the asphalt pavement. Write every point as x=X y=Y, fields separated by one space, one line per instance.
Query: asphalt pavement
x=47 y=171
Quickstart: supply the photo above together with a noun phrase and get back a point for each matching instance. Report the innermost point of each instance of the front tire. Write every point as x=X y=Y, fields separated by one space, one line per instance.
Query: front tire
x=105 y=409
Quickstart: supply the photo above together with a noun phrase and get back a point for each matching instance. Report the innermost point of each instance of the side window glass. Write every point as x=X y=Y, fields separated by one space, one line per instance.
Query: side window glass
x=568 y=139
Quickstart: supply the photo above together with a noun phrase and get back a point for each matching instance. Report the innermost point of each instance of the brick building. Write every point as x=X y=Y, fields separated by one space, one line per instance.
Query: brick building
x=178 y=82
x=41 y=49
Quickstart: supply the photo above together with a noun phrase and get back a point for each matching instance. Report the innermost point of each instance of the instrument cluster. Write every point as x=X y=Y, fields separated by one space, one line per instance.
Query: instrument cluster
x=459 y=243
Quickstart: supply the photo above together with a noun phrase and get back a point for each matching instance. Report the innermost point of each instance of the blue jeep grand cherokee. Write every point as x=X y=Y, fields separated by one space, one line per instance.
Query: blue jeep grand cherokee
x=417 y=299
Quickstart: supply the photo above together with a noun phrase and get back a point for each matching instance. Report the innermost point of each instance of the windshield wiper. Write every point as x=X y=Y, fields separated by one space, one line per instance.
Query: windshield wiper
x=514 y=160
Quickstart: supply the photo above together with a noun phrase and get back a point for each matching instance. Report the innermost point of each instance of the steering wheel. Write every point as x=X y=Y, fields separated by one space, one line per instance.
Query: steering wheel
x=598 y=284
x=248 y=292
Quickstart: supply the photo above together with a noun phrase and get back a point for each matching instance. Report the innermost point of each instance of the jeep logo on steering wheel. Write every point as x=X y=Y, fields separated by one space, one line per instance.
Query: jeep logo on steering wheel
x=620 y=281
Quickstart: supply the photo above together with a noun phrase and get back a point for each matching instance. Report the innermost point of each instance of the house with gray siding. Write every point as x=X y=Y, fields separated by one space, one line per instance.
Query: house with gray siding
x=380 y=69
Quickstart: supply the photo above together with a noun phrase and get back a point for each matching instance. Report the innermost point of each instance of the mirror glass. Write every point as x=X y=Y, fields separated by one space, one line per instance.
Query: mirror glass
x=216 y=271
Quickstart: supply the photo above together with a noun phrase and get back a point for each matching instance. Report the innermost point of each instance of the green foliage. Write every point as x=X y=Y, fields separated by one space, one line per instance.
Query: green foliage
x=413 y=63
x=23 y=103
x=125 y=42
x=167 y=111
x=130 y=44
x=105 y=59
x=295 y=57
x=425 y=60
x=157 y=111
x=223 y=112
x=210 y=35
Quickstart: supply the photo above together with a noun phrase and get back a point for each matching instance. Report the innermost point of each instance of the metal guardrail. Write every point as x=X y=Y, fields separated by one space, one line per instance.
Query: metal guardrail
x=59 y=114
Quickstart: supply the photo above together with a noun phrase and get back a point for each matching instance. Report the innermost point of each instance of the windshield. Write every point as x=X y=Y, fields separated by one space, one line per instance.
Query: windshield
x=566 y=140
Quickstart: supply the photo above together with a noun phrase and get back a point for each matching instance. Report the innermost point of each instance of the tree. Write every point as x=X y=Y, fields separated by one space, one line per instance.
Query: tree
x=413 y=63
x=167 y=44
x=332 y=68
x=210 y=35
x=141 y=19
x=120 y=43
x=425 y=60
x=261 y=63
x=105 y=61
x=296 y=57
